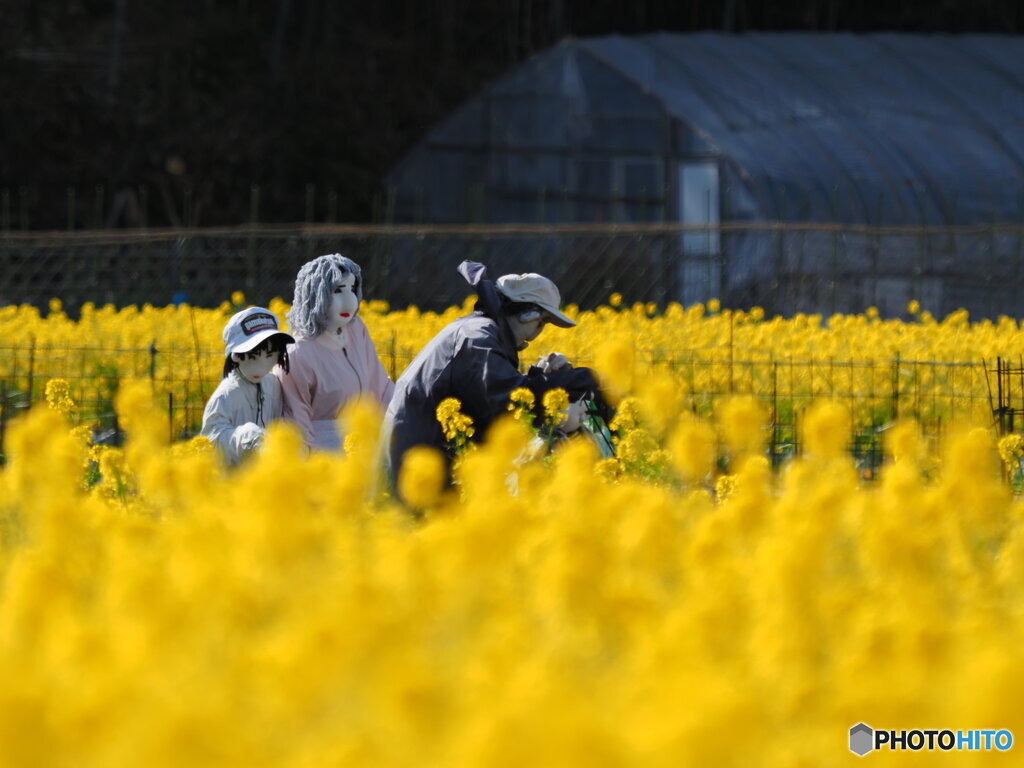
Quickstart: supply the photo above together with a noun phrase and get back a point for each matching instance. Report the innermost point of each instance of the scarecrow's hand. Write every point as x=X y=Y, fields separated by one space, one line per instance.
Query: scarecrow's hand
x=553 y=361
x=574 y=417
x=249 y=437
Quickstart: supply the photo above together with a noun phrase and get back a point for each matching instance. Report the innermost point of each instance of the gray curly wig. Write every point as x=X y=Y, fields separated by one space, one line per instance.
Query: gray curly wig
x=314 y=286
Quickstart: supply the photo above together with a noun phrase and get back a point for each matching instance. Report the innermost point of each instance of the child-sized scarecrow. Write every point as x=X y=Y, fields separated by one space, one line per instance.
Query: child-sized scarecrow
x=249 y=395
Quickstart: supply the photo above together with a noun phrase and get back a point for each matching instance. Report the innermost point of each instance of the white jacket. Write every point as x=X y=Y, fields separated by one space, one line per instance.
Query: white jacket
x=233 y=420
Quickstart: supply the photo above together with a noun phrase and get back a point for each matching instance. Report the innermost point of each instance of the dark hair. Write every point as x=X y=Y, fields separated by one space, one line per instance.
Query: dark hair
x=511 y=308
x=271 y=344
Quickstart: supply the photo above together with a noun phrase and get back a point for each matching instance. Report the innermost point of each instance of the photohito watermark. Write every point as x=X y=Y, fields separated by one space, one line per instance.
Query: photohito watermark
x=865 y=739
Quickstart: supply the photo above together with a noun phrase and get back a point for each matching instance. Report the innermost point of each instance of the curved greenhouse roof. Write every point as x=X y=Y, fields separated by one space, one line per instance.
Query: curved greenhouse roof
x=880 y=128
x=919 y=128
x=713 y=129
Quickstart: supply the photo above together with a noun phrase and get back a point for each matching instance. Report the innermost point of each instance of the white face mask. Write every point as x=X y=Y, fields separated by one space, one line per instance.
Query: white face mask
x=344 y=304
x=526 y=327
x=254 y=366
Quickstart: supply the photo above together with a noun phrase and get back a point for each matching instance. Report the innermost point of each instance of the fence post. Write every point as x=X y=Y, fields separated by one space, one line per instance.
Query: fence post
x=332 y=205
x=170 y=416
x=798 y=280
x=896 y=387
x=876 y=250
x=390 y=196
x=31 y=367
x=23 y=217
x=780 y=250
x=392 y=352
x=187 y=208
x=310 y=202
x=732 y=325
x=835 y=248
x=3 y=416
x=250 y=250
x=152 y=361
x=773 y=452
x=420 y=205
x=5 y=225
x=147 y=257
x=97 y=207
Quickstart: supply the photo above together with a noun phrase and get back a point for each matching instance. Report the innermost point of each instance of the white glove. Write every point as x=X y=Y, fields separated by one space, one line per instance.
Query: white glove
x=574 y=417
x=247 y=438
x=553 y=361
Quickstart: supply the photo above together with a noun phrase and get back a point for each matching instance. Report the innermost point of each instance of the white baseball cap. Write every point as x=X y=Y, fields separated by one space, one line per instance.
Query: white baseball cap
x=531 y=288
x=250 y=328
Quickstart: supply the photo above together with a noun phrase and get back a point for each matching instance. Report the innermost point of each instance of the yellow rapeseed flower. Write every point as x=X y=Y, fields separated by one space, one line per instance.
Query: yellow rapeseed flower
x=826 y=430
x=743 y=422
x=1011 y=449
x=457 y=426
x=422 y=477
x=725 y=486
x=521 y=403
x=692 y=449
x=555 y=402
x=58 y=397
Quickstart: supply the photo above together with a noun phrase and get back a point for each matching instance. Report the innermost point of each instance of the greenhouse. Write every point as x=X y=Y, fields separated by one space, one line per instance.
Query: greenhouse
x=799 y=172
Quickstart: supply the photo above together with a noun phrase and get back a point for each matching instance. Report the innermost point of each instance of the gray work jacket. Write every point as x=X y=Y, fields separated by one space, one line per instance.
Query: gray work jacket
x=475 y=360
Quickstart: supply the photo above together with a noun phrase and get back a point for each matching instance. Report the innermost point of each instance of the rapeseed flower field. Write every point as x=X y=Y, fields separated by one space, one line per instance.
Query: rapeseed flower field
x=925 y=367
x=681 y=604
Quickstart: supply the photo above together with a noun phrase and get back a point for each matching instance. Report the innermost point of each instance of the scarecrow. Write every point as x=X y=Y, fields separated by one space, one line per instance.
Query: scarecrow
x=475 y=359
x=333 y=359
x=249 y=394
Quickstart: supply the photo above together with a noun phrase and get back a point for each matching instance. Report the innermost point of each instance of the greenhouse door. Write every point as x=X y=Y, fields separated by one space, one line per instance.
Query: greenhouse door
x=700 y=269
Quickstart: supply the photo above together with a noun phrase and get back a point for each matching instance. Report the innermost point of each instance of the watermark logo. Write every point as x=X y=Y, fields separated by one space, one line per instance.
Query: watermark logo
x=861 y=739
x=865 y=739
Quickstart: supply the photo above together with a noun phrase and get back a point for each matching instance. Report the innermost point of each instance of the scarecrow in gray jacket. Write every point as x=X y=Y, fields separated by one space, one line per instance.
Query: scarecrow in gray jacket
x=476 y=359
x=249 y=396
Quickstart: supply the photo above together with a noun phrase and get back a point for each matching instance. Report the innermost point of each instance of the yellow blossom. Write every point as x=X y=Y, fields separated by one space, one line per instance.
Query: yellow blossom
x=521 y=403
x=555 y=402
x=422 y=477
x=57 y=397
x=692 y=448
x=743 y=422
x=725 y=486
x=1011 y=449
x=457 y=426
x=826 y=430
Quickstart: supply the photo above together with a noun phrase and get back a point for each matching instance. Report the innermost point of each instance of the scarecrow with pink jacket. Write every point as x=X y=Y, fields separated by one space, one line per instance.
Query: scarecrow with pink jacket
x=333 y=359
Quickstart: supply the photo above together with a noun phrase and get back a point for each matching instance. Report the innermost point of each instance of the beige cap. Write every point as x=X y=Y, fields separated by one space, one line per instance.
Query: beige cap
x=532 y=288
x=248 y=329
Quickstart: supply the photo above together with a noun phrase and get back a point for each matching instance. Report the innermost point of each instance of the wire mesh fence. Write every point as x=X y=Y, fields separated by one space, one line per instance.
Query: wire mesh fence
x=785 y=268
x=877 y=394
